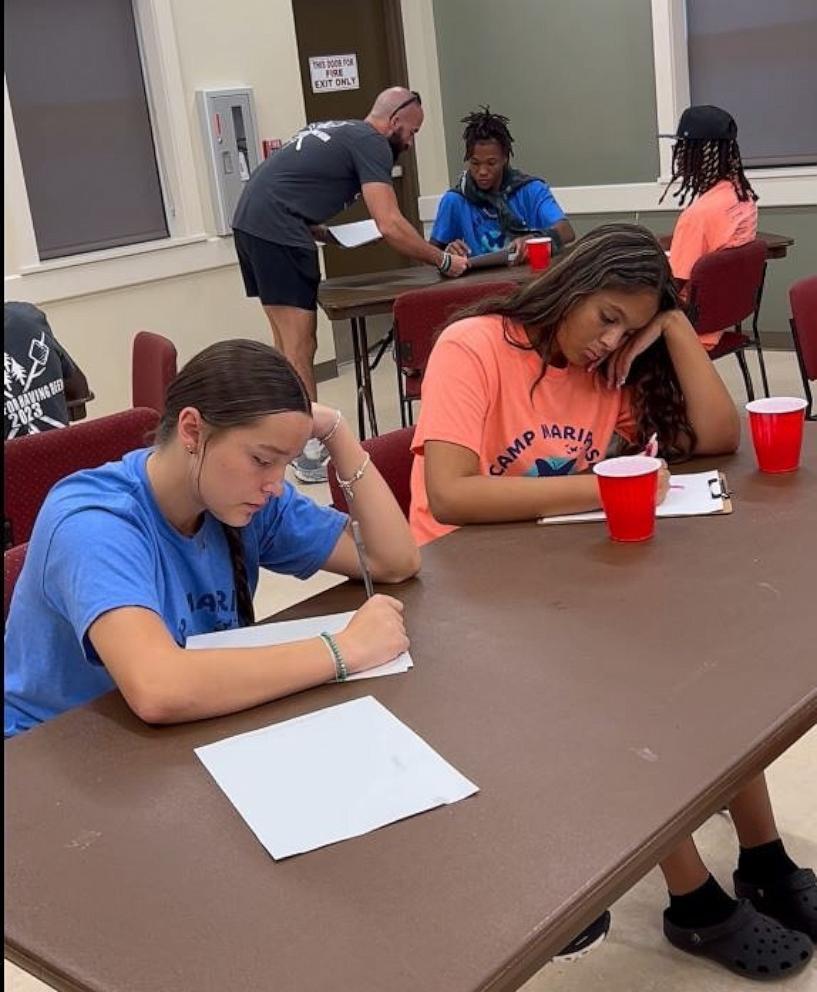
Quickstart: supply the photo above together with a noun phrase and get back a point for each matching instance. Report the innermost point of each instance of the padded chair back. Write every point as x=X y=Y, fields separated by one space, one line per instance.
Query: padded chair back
x=153 y=367
x=391 y=453
x=34 y=463
x=725 y=286
x=420 y=315
x=803 y=299
x=12 y=566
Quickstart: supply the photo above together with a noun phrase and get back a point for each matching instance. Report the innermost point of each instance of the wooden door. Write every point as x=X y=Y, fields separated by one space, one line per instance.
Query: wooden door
x=372 y=31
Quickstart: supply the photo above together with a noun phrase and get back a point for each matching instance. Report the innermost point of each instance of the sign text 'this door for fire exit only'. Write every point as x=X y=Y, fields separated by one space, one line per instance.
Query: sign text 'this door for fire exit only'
x=333 y=72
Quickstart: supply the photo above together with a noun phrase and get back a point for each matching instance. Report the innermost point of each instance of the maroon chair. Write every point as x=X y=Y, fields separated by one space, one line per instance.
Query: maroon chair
x=419 y=316
x=725 y=288
x=391 y=453
x=803 y=299
x=13 y=561
x=34 y=463
x=153 y=367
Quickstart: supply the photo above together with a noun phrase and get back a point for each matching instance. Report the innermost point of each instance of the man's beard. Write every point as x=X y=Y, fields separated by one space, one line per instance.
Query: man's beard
x=397 y=146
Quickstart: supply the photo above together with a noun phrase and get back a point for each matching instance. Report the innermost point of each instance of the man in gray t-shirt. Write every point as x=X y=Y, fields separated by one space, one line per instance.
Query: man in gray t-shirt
x=324 y=168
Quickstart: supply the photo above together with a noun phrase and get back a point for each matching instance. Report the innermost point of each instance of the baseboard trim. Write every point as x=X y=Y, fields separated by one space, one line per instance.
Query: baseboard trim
x=326 y=370
x=776 y=341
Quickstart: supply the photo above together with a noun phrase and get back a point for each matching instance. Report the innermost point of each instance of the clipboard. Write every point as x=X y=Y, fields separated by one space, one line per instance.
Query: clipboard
x=490 y=260
x=690 y=500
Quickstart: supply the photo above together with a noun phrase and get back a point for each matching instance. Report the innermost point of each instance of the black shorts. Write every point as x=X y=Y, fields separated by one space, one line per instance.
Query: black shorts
x=279 y=275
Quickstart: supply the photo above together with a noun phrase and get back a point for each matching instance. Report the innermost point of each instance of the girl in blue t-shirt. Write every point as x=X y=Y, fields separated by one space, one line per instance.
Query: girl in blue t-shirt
x=492 y=206
x=128 y=560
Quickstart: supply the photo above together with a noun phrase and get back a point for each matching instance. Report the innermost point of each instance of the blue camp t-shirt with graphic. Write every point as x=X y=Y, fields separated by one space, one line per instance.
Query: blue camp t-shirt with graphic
x=100 y=543
x=479 y=227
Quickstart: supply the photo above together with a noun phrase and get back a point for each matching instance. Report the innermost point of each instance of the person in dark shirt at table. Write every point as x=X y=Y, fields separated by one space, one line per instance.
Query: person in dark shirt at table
x=320 y=171
x=39 y=376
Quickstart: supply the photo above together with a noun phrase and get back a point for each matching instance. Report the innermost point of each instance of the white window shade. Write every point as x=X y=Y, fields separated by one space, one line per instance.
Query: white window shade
x=758 y=60
x=80 y=113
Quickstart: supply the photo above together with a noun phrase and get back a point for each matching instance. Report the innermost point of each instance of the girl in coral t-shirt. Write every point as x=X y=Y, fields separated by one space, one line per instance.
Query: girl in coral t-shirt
x=518 y=400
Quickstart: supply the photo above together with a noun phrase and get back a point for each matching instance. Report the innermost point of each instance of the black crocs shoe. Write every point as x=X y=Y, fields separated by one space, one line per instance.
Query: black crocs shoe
x=747 y=943
x=588 y=940
x=791 y=900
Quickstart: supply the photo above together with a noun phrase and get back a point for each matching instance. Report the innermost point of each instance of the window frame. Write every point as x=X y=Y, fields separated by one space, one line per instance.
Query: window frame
x=671 y=59
x=173 y=144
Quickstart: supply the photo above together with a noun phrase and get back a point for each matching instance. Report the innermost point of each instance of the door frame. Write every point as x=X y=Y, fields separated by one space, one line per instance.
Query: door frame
x=396 y=53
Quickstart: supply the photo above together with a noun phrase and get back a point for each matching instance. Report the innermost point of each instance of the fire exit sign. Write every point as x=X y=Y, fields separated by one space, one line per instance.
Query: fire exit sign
x=333 y=72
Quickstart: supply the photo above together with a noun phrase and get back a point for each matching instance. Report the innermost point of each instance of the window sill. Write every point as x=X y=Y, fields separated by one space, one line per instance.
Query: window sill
x=116 y=268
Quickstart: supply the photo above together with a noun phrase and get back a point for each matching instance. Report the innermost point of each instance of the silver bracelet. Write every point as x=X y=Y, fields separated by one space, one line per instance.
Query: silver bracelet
x=346 y=484
x=333 y=429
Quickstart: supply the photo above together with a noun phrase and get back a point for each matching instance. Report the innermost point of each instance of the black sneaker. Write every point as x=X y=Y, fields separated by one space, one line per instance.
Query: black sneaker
x=586 y=941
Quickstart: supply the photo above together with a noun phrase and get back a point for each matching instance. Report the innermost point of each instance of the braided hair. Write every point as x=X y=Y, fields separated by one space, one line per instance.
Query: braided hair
x=614 y=256
x=232 y=384
x=701 y=164
x=482 y=125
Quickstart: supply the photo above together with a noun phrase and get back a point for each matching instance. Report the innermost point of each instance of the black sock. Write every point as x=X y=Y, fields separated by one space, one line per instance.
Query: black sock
x=764 y=863
x=703 y=907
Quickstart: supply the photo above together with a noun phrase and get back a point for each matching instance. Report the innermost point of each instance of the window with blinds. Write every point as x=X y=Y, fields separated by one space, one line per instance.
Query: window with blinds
x=757 y=59
x=80 y=111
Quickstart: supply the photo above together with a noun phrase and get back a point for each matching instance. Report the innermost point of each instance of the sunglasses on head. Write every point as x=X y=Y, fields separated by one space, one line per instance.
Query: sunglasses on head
x=414 y=98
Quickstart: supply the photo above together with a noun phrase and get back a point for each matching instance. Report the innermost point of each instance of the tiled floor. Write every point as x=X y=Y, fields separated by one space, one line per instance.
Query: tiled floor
x=635 y=958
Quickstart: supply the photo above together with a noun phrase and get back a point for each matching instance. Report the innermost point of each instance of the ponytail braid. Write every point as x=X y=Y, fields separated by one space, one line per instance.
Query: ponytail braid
x=243 y=597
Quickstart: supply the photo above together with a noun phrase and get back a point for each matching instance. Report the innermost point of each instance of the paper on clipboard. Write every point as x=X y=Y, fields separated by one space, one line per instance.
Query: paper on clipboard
x=700 y=494
x=356 y=234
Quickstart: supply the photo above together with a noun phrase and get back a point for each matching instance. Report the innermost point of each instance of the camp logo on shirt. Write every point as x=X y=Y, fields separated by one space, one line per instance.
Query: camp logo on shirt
x=213 y=605
x=576 y=443
x=23 y=397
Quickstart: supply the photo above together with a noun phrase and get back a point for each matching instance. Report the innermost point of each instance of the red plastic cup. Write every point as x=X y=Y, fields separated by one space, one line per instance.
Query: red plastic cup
x=539 y=253
x=777 y=432
x=628 y=488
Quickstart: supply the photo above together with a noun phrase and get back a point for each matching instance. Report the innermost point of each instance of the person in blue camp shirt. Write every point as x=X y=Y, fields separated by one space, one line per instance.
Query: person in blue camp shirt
x=128 y=560
x=493 y=206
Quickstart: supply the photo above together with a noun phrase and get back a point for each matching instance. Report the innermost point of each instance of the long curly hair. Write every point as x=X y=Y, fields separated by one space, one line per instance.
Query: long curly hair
x=623 y=257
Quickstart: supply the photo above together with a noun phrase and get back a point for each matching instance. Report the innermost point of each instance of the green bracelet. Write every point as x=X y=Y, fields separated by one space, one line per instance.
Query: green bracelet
x=341 y=671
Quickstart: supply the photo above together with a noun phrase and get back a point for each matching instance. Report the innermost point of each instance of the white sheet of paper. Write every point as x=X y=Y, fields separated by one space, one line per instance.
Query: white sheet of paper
x=693 y=500
x=330 y=775
x=361 y=232
x=268 y=634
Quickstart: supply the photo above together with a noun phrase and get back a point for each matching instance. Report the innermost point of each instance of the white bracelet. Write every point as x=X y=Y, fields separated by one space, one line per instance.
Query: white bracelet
x=346 y=484
x=333 y=429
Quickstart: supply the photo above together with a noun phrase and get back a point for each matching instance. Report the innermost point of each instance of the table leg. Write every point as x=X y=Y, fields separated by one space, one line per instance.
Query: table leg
x=366 y=374
x=359 y=360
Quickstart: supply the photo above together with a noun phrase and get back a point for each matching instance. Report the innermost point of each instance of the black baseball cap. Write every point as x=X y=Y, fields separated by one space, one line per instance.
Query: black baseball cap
x=705 y=123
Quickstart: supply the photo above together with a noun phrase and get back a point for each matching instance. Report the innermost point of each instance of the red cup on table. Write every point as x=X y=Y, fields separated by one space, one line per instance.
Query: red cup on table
x=777 y=432
x=628 y=487
x=539 y=251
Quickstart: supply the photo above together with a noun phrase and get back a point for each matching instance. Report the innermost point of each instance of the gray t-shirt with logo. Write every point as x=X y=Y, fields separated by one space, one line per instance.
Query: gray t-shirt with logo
x=314 y=176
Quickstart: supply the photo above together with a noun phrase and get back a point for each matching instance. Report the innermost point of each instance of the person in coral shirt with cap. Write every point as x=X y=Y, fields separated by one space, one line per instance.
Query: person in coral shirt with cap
x=722 y=210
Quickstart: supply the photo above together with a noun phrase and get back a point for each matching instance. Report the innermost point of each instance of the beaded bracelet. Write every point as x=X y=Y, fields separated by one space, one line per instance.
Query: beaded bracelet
x=346 y=484
x=341 y=671
x=333 y=429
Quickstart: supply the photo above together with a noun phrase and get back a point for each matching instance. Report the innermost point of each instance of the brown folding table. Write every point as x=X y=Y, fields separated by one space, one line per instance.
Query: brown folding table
x=605 y=698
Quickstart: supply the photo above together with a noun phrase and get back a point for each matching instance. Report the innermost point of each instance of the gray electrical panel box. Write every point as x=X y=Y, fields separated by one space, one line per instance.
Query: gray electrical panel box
x=231 y=141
